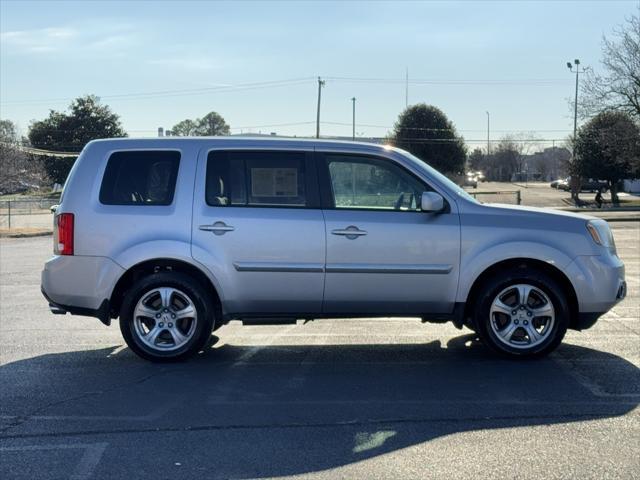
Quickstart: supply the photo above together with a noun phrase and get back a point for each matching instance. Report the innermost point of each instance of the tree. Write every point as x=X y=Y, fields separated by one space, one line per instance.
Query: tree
x=8 y=132
x=19 y=171
x=210 y=125
x=426 y=132
x=185 y=128
x=618 y=88
x=505 y=160
x=69 y=132
x=476 y=159
x=608 y=148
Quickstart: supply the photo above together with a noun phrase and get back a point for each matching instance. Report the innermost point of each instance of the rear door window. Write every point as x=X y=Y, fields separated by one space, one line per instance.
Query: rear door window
x=259 y=179
x=140 y=178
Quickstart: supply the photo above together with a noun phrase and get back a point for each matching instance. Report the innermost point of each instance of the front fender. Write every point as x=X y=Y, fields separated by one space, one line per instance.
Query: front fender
x=473 y=266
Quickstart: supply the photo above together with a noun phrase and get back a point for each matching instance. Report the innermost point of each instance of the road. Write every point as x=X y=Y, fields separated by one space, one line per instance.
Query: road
x=370 y=398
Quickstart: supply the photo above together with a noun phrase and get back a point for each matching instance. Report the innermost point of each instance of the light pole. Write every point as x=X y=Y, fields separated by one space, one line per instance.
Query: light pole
x=353 y=134
x=575 y=180
x=320 y=85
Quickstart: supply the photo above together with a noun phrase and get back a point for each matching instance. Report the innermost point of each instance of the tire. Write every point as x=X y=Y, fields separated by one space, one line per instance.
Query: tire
x=166 y=316
x=521 y=331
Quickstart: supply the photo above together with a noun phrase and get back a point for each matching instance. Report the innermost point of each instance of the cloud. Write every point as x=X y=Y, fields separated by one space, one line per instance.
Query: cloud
x=105 y=37
x=42 y=40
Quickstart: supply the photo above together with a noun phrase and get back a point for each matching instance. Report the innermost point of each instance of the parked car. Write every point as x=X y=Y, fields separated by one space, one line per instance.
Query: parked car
x=556 y=183
x=175 y=237
x=593 y=185
x=588 y=185
x=565 y=184
x=471 y=181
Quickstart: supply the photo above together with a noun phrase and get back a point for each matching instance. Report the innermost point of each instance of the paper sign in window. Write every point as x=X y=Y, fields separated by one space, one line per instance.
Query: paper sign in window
x=274 y=182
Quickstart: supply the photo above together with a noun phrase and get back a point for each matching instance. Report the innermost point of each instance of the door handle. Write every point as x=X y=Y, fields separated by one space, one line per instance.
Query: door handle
x=218 y=228
x=351 y=232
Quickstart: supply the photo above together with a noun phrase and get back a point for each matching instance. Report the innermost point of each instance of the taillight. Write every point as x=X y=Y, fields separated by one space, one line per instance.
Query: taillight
x=64 y=244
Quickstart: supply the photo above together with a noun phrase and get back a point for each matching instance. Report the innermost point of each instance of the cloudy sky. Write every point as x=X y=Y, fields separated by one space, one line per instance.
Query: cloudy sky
x=256 y=63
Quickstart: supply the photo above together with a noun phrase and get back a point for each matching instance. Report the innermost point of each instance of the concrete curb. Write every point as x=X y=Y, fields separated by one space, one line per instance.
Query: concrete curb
x=25 y=235
x=622 y=219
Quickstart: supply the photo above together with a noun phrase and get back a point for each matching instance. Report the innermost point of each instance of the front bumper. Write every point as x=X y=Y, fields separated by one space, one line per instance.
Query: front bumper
x=599 y=284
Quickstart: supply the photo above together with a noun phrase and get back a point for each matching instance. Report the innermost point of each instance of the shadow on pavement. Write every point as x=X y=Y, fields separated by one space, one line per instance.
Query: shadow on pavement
x=292 y=409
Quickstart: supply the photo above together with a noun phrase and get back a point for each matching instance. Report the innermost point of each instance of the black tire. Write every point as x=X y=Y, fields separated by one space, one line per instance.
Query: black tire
x=202 y=303
x=496 y=284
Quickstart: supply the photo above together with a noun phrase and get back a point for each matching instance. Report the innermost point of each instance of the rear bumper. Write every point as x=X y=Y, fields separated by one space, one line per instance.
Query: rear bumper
x=80 y=285
x=101 y=313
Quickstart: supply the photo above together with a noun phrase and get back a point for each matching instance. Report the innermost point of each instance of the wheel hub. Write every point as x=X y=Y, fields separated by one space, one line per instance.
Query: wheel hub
x=522 y=316
x=165 y=319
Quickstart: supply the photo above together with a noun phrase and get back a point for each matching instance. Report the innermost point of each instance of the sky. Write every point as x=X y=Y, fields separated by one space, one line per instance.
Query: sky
x=256 y=63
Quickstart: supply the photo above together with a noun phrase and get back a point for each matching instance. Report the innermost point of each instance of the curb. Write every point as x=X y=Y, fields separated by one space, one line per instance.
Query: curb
x=25 y=235
x=622 y=219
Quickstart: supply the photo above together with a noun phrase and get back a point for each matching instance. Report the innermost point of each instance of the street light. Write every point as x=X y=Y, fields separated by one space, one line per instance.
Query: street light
x=353 y=136
x=570 y=66
x=578 y=71
x=488 y=141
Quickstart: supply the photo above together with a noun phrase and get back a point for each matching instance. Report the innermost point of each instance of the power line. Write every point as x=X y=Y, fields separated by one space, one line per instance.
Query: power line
x=174 y=93
x=466 y=81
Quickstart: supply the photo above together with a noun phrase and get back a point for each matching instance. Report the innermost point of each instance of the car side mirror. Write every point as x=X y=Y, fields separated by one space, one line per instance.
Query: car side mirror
x=431 y=202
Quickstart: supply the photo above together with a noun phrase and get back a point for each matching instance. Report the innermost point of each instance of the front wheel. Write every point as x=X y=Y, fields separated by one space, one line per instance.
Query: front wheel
x=166 y=316
x=522 y=313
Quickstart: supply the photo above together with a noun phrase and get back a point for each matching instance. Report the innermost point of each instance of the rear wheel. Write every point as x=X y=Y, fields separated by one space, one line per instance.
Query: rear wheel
x=166 y=316
x=522 y=313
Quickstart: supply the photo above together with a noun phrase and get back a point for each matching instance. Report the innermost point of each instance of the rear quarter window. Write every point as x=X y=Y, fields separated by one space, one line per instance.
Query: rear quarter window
x=140 y=178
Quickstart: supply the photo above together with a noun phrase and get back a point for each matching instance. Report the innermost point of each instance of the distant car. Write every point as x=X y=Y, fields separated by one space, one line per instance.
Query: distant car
x=556 y=183
x=471 y=181
x=564 y=184
x=588 y=185
x=593 y=185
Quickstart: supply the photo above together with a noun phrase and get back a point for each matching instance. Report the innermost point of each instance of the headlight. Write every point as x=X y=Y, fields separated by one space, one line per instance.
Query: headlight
x=601 y=233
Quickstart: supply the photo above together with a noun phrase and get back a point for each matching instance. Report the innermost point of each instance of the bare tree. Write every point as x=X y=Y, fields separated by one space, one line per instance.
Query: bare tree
x=618 y=87
x=19 y=171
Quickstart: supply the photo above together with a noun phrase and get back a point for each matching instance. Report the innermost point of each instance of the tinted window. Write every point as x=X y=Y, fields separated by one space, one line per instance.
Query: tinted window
x=140 y=178
x=256 y=179
x=365 y=182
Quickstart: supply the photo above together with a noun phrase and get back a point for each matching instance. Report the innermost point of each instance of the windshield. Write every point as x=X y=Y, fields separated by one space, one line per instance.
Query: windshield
x=438 y=176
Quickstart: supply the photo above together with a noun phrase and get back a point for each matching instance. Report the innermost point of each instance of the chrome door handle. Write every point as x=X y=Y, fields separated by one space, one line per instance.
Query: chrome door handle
x=218 y=228
x=351 y=232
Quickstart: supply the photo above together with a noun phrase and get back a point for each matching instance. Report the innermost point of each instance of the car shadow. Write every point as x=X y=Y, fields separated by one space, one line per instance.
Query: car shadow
x=275 y=410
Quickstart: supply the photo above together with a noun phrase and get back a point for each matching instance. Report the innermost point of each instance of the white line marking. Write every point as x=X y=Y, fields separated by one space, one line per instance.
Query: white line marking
x=88 y=463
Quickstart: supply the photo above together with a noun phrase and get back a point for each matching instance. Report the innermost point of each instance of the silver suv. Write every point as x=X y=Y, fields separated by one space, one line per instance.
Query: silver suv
x=175 y=237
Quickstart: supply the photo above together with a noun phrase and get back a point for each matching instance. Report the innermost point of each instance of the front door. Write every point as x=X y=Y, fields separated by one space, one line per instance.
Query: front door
x=384 y=256
x=258 y=228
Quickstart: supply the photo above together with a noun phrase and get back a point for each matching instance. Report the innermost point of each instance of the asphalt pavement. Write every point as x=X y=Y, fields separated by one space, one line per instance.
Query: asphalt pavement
x=369 y=398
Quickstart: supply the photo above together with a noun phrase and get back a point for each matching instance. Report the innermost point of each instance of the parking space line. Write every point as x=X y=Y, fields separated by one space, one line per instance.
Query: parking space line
x=84 y=469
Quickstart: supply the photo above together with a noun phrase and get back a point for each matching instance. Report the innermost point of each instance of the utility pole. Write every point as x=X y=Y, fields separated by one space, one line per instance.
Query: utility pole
x=488 y=135
x=406 y=89
x=353 y=134
x=320 y=85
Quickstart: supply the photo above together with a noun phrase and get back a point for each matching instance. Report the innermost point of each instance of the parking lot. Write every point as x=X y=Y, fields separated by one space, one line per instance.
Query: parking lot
x=370 y=398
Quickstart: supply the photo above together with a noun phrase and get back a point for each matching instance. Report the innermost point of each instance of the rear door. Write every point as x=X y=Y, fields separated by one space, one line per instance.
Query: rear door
x=258 y=227
x=384 y=255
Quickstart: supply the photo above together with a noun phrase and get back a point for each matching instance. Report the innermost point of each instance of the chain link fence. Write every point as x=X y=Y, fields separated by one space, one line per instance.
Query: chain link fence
x=26 y=213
